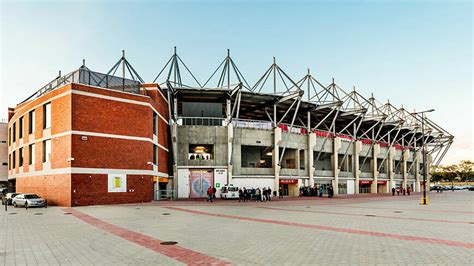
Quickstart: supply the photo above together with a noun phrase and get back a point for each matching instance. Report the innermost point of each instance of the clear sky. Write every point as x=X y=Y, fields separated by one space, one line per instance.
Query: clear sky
x=415 y=53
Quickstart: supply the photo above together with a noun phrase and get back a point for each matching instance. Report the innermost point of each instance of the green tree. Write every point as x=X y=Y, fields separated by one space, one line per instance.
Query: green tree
x=465 y=170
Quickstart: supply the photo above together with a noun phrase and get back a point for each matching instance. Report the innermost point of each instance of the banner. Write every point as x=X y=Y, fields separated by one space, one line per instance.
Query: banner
x=117 y=183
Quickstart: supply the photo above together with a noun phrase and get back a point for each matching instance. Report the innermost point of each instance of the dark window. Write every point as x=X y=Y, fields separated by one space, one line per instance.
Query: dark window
x=20 y=133
x=13 y=160
x=20 y=157
x=4 y=163
x=3 y=141
x=31 y=122
x=31 y=154
x=155 y=154
x=47 y=115
x=46 y=151
x=14 y=132
x=256 y=156
x=201 y=152
x=155 y=129
x=9 y=161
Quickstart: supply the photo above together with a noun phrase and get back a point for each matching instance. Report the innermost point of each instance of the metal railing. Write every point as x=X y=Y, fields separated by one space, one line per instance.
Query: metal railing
x=243 y=123
x=164 y=194
x=200 y=121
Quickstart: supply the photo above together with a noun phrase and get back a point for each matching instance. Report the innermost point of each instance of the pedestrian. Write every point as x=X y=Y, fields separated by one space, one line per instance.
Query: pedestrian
x=241 y=195
x=209 y=194
x=280 y=193
x=269 y=193
x=398 y=191
x=245 y=194
x=264 y=194
x=408 y=191
x=321 y=191
x=404 y=190
x=393 y=191
x=214 y=190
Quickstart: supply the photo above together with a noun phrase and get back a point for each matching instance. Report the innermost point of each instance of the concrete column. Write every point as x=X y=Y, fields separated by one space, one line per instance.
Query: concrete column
x=375 y=172
x=311 y=143
x=405 y=168
x=230 y=149
x=276 y=157
x=429 y=160
x=174 y=143
x=416 y=161
x=335 y=181
x=391 y=170
x=357 y=171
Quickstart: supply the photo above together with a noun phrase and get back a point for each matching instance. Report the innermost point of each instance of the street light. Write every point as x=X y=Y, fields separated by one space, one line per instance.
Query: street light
x=424 y=200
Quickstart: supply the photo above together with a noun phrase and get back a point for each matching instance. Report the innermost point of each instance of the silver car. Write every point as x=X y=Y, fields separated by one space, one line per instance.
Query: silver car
x=28 y=200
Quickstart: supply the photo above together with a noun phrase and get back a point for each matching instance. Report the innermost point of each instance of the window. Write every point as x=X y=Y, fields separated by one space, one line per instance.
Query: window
x=14 y=132
x=9 y=136
x=47 y=115
x=3 y=141
x=155 y=154
x=20 y=129
x=13 y=160
x=9 y=161
x=256 y=156
x=31 y=154
x=31 y=122
x=155 y=128
x=201 y=152
x=47 y=151
x=20 y=157
x=4 y=163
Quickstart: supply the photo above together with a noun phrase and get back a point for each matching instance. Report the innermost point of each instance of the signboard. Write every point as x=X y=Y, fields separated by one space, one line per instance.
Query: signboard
x=288 y=181
x=117 y=183
x=382 y=182
x=365 y=182
x=218 y=185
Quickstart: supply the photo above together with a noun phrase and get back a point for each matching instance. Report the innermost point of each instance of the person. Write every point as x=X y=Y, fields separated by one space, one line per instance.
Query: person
x=209 y=194
x=258 y=195
x=330 y=192
x=214 y=190
x=264 y=194
x=269 y=194
x=404 y=190
x=321 y=191
x=280 y=193
x=245 y=194
x=241 y=195
x=398 y=191
x=408 y=191
x=393 y=191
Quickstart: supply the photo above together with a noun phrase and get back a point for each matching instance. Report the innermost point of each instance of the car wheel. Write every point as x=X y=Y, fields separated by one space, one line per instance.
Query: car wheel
x=14 y=205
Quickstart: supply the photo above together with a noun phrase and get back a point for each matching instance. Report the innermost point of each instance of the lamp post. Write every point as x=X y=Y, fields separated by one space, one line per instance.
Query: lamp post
x=424 y=200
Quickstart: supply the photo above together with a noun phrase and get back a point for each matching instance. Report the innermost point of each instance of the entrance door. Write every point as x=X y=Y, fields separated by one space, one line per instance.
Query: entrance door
x=200 y=181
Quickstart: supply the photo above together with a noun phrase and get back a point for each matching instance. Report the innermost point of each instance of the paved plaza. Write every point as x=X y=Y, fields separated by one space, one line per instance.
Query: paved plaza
x=297 y=231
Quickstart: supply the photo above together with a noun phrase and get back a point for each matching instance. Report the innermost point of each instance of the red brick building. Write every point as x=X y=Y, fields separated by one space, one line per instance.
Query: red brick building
x=80 y=144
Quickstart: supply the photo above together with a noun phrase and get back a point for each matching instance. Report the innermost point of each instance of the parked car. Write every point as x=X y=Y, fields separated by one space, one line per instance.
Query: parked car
x=28 y=200
x=8 y=198
x=471 y=188
x=229 y=192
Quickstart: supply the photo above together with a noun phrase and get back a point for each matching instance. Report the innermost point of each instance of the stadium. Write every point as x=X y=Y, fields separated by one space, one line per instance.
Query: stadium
x=281 y=132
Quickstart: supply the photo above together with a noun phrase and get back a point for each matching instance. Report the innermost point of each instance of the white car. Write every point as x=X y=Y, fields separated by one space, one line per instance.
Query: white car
x=28 y=200
x=229 y=192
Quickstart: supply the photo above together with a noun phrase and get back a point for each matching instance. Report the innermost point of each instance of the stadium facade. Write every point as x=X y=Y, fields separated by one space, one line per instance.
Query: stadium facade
x=279 y=133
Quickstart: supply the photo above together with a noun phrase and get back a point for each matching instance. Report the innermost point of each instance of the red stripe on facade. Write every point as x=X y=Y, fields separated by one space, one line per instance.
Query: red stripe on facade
x=363 y=215
x=184 y=255
x=334 y=229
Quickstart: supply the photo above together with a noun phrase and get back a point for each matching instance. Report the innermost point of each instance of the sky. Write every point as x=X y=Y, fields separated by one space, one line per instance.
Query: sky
x=418 y=54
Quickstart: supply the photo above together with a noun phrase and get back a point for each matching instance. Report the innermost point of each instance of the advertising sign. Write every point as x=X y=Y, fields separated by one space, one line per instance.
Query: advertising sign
x=117 y=183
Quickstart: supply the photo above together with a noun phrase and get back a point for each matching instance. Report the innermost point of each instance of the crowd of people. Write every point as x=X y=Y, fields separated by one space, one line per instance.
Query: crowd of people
x=401 y=190
x=257 y=194
x=316 y=191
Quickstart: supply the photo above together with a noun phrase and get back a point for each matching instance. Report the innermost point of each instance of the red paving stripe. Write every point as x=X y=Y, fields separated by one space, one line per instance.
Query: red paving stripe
x=364 y=215
x=413 y=210
x=334 y=229
x=187 y=256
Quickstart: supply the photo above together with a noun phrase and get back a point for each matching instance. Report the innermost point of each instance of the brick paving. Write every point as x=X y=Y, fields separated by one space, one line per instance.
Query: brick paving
x=298 y=231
